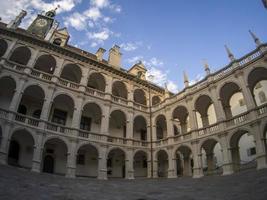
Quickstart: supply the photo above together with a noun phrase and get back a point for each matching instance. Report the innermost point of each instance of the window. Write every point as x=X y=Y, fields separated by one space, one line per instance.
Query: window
x=139 y=74
x=80 y=159
x=57 y=41
x=241 y=102
x=251 y=151
x=85 y=123
x=59 y=117
x=262 y=97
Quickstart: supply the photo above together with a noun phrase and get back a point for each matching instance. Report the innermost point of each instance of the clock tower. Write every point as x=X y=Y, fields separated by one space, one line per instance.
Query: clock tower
x=42 y=24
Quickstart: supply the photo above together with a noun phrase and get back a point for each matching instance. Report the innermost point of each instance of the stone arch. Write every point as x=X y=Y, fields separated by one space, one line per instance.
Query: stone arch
x=184 y=160
x=140 y=128
x=3 y=47
x=155 y=100
x=163 y=164
x=7 y=90
x=55 y=153
x=140 y=164
x=140 y=96
x=21 y=55
x=87 y=160
x=117 y=124
x=91 y=117
x=46 y=63
x=119 y=89
x=257 y=83
x=71 y=72
x=116 y=163
x=97 y=81
x=21 y=148
x=180 y=118
x=161 y=127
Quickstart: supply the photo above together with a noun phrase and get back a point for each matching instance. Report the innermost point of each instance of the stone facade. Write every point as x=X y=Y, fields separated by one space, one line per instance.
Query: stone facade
x=66 y=111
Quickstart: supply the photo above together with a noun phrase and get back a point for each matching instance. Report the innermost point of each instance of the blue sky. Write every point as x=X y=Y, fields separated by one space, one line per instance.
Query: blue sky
x=169 y=36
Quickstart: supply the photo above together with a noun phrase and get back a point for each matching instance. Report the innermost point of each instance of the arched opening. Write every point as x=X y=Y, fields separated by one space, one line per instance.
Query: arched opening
x=180 y=119
x=212 y=159
x=21 y=55
x=55 y=155
x=155 y=100
x=140 y=164
x=243 y=150
x=62 y=110
x=116 y=164
x=184 y=161
x=87 y=161
x=97 y=81
x=72 y=72
x=7 y=90
x=140 y=128
x=119 y=89
x=257 y=82
x=206 y=113
x=117 y=124
x=91 y=118
x=32 y=101
x=46 y=63
x=163 y=163
x=57 y=41
x=140 y=96
x=161 y=127
x=3 y=47
x=232 y=100
x=21 y=148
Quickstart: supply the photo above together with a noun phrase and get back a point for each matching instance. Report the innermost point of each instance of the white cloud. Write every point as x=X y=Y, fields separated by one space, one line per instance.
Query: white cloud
x=93 y=13
x=172 y=86
x=134 y=60
x=100 y=3
x=130 y=46
x=98 y=38
x=77 y=21
x=197 y=79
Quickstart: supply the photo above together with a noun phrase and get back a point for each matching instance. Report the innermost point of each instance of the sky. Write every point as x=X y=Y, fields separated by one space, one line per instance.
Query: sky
x=168 y=36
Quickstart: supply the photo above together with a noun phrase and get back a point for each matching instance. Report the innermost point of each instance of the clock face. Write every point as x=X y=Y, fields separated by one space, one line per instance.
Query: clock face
x=41 y=22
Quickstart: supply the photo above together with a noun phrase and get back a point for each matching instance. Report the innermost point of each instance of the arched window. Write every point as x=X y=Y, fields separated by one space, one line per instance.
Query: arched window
x=21 y=55
x=57 y=41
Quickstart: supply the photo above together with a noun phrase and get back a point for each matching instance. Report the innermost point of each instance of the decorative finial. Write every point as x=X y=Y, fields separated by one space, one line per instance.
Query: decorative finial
x=206 y=67
x=186 y=81
x=230 y=55
x=255 y=38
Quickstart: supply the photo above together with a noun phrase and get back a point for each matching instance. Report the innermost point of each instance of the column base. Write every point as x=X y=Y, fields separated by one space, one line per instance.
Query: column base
x=171 y=174
x=261 y=162
x=71 y=172
x=130 y=175
x=198 y=173
x=227 y=169
x=102 y=174
x=36 y=166
x=3 y=158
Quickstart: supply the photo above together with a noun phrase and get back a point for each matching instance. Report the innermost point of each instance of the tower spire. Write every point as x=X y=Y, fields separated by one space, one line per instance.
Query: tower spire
x=13 y=24
x=186 y=81
x=230 y=55
x=255 y=38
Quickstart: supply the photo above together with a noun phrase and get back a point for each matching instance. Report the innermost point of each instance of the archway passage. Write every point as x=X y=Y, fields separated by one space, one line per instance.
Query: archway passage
x=140 y=164
x=161 y=127
x=21 y=55
x=55 y=154
x=155 y=100
x=116 y=164
x=232 y=100
x=97 y=81
x=163 y=164
x=184 y=161
x=7 y=90
x=212 y=159
x=87 y=161
x=46 y=63
x=257 y=82
x=119 y=89
x=117 y=124
x=140 y=96
x=180 y=119
x=140 y=128
x=72 y=72
x=3 y=47
x=21 y=148
x=243 y=150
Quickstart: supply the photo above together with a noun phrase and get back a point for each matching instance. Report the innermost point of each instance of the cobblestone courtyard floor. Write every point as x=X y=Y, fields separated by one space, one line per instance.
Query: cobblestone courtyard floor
x=24 y=185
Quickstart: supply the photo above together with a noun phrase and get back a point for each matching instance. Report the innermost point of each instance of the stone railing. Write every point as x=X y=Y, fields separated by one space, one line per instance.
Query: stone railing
x=94 y=92
x=68 y=84
x=41 y=75
x=140 y=106
x=119 y=100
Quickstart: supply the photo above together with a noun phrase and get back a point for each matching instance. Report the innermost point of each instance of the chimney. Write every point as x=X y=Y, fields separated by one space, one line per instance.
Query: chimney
x=99 y=54
x=114 y=58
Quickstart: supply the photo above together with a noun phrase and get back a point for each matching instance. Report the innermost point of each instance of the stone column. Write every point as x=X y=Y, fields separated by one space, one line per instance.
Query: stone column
x=130 y=94
x=155 y=167
x=129 y=164
x=109 y=82
x=33 y=58
x=227 y=155
x=58 y=69
x=220 y=115
x=84 y=80
x=77 y=112
x=71 y=160
x=129 y=125
x=260 y=145
x=169 y=122
x=192 y=114
x=105 y=119
x=198 y=171
x=4 y=142
x=102 y=163
x=48 y=101
x=37 y=153
x=171 y=164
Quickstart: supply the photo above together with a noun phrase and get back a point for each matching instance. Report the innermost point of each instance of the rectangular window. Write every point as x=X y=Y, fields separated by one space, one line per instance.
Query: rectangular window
x=80 y=159
x=59 y=117
x=251 y=151
x=85 y=123
x=241 y=102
